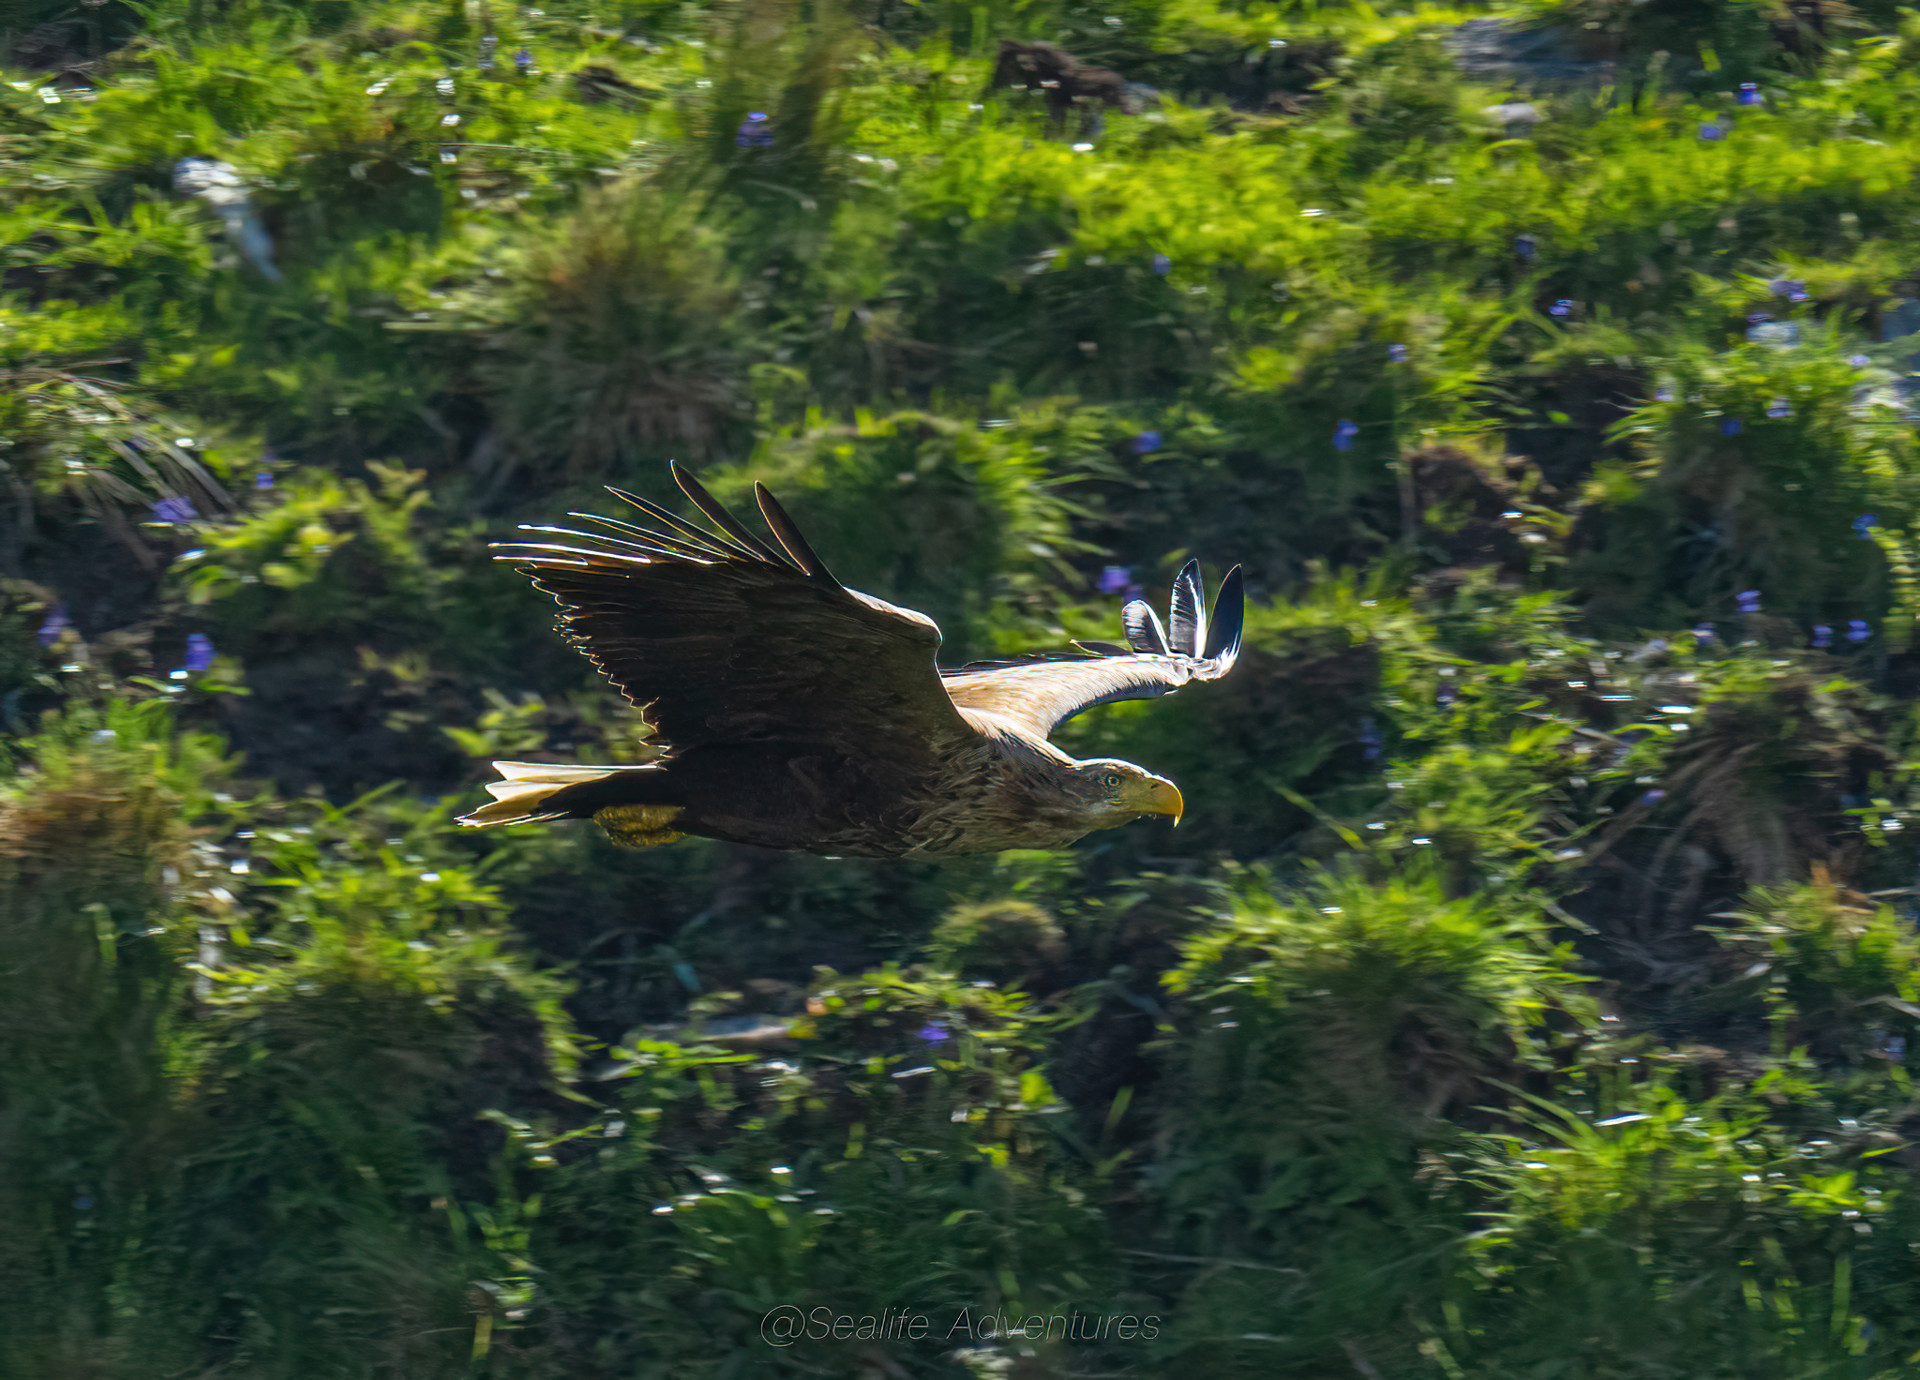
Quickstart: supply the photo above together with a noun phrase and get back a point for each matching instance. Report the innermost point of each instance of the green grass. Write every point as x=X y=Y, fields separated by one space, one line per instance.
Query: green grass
x=1529 y=990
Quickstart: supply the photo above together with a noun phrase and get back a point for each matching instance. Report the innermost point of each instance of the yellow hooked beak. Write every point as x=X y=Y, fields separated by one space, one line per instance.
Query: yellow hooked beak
x=1161 y=797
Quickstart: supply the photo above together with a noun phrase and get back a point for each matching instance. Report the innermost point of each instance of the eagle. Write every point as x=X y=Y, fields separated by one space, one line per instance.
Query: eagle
x=791 y=712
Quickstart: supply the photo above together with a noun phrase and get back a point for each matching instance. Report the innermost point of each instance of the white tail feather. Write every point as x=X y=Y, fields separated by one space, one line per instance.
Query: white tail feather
x=525 y=786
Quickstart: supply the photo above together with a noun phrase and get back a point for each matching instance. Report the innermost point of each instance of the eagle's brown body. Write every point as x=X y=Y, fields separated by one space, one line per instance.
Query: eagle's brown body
x=976 y=797
x=795 y=713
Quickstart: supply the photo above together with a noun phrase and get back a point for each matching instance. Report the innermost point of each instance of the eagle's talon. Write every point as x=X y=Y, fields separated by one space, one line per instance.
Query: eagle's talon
x=639 y=826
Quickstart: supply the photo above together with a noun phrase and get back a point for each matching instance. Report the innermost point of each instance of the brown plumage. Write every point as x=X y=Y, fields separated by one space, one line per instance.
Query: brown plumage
x=797 y=713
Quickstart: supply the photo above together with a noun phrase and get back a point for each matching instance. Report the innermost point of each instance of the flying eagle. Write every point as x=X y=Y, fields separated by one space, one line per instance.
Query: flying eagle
x=796 y=713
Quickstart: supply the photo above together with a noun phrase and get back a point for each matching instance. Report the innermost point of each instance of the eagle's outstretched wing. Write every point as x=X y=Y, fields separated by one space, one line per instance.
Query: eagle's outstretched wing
x=719 y=637
x=1038 y=696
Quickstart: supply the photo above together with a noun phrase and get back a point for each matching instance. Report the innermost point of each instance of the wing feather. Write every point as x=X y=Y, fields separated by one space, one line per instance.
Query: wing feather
x=677 y=530
x=788 y=534
x=659 y=548
x=1144 y=633
x=1039 y=696
x=721 y=518
x=719 y=638
x=663 y=543
x=1229 y=619
x=1186 y=618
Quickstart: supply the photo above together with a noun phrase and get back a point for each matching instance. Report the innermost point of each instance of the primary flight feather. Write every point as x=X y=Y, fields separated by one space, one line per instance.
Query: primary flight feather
x=794 y=712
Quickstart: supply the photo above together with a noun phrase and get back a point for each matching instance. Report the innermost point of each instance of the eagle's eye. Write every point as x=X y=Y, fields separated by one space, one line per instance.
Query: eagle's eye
x=1111 y=780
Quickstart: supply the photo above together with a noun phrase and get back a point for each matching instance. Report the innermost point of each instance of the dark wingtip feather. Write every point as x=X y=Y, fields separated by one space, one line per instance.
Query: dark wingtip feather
x=1144 y=633
x=718 y=515
x=642 y=504
x=1186 y=616
x=1229 y=619
x=666 y=543
x=787 y=533
x=714 y=542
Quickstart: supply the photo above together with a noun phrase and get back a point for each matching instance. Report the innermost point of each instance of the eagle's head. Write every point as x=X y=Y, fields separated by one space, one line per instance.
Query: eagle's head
x=1116 y=792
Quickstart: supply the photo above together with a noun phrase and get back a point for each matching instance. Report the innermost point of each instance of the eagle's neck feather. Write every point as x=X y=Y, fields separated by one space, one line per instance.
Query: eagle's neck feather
x=1010 y=740
x=1019 y=793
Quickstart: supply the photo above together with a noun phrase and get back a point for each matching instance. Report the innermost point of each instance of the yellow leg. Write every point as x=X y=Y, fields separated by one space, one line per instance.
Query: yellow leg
x=639 y=826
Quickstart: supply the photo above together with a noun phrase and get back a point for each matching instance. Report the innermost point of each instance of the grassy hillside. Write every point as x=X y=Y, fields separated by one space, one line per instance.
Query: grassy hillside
x=1530 y=991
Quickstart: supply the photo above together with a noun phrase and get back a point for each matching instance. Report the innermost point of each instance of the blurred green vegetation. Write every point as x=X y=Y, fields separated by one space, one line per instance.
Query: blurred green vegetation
x=1533 y=988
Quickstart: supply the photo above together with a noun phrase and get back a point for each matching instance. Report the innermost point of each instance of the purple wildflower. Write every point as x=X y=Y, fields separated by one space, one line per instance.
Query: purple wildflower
x=1652 y=797
x=934 y=1033
x=55 y=623
x=1146 y=443
x=522 y=61
x=1162 y=265
x=1525 y=246
x=199 y=652
x=1857 y=630
x=1115 y=579
x=1397 y=354
x=1663 y=394
x=1564 y=307
x=174 y=510
x=754 y=132
x=1370 y=740
x=1779 y=408
x=1864 y=522
x=1750 y=94
x=1344 y=433
x=1732 y=426
x=1712 y=132
x=1749 y=600
x=1703 y=634
x=1822 y=635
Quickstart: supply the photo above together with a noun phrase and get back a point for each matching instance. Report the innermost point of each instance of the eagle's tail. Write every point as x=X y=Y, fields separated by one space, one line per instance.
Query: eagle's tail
x=525 y=793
